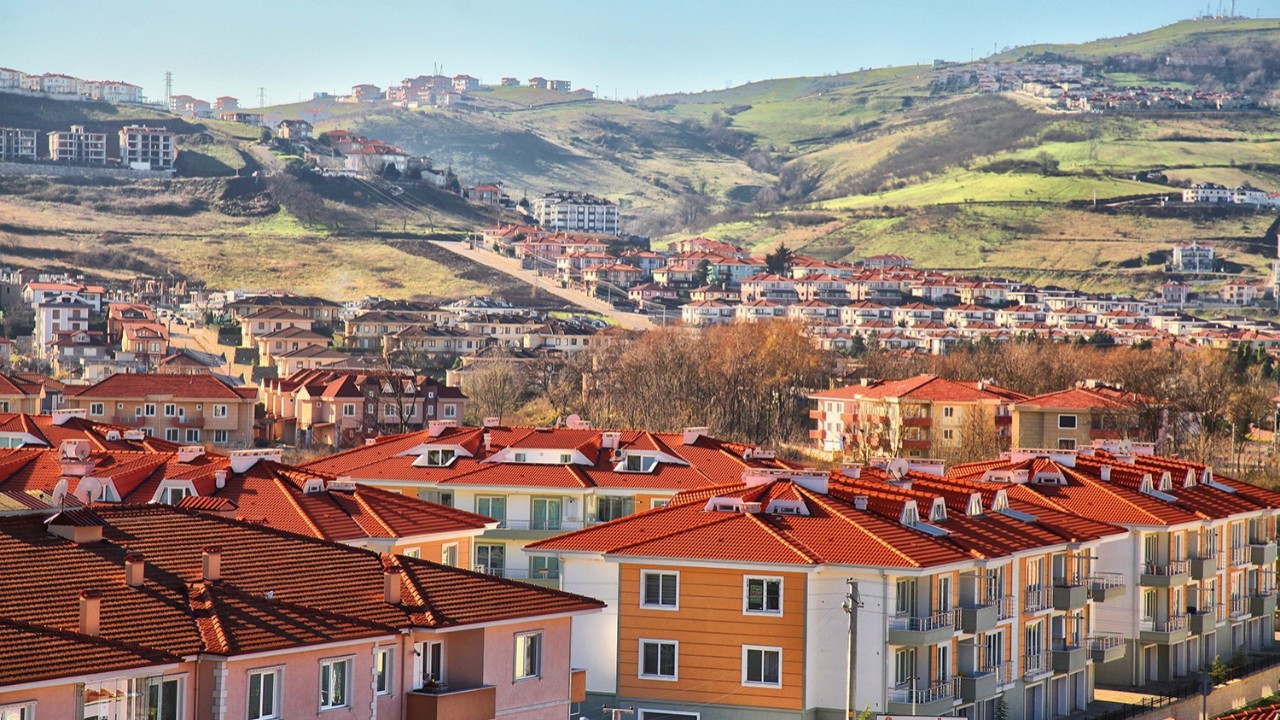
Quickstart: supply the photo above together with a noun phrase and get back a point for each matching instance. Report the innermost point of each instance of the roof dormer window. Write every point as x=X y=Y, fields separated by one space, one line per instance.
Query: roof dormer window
x=636 y=463
x=436 y=457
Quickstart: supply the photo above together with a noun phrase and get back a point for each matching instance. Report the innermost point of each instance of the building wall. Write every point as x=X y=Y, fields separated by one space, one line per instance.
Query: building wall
x=238 y=423
x=542 y=698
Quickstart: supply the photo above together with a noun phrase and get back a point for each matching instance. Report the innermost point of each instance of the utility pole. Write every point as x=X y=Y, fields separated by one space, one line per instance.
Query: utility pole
x=168 y=87
x=262 y=97
x=618 y=713
x=852 y=602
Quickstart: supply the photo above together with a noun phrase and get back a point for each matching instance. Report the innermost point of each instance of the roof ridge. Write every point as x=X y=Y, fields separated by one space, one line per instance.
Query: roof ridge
x=204 y=614
x=1100 y=485
x=306 y=517
x=420 y=596
x=823 y=502
x=364 y=504
x=795 y=546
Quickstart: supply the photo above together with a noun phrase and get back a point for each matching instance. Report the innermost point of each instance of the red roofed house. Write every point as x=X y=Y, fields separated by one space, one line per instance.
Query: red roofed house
x=19 y=396
x=1075 y=417
x=727 y=602
x=922 y=416
x=191 y=409
x=465 y=83
x=163 y=612
x=540 y=481
x=485 y=194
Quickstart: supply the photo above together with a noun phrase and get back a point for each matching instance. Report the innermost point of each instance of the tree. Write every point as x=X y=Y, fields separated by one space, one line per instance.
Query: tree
x=692 y=206
x=703 y=273
x=779 y=261
x=494 y=389
x=265 y=136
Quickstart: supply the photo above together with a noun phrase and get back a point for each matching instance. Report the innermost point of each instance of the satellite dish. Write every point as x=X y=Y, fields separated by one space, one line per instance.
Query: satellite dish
x=89 y=489
x=60 y=492
x=572 y=420
x=898 y=468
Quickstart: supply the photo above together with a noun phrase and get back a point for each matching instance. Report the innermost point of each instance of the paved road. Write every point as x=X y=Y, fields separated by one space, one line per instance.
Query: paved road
x=511 y=266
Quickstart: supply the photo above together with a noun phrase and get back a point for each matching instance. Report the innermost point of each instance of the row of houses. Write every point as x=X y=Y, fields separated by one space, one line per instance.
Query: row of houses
x=140 y=147
x=1213 y=193
x=67 y=86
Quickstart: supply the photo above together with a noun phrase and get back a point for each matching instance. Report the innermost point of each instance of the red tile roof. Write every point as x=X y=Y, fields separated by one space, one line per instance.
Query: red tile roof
x=923 y=387
x=129 y=385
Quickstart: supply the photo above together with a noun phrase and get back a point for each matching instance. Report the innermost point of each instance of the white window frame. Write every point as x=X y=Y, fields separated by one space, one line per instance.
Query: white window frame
x=1075 y=422
x=278 y=673
x=172 y=434
x=746 y=649
x=170 y=410
x=515 y=665
x=348 y=410
x=96 y=409
x=644 y=574
x=413 y=552
x=446 y=550
x=387 y=657
x=193 y=435
x=640 y=673
x=449 y=411
x=349 y=661
x=219 y=411
x=746 y=594
x=149 y=409
x=26 y=710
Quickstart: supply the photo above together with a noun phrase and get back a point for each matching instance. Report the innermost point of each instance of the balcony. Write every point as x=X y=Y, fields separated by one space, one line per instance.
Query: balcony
x=543 y=577
x=577 y=685
x=1106 y=648
x=1105 y=586
x=978 y=686
x=928 y=630
x=922 y=422
x=473 y=704
x=129 y=420
x=1069 y=596
x=916 y=445
x=1163 y=575
x=1263 y=605
x=1007 y=607
x=937 y=699
x=1037 y=600
x=1069 y=658
x=978 y=618
x=1262 y=553
x=1171 y=630
x=192 y=422
x=1202 y=621
x=1204 y=568
x=1239 y=556
x=1036 y=665
x=817 y=414
x=1237 y=608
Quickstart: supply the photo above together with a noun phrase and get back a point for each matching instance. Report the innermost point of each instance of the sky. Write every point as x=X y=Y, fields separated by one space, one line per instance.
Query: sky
x=292 y=48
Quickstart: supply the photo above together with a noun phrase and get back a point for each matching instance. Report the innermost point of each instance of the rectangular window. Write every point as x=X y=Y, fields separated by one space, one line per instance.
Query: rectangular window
x=658 y=659
x=164 y=699
x=264 y=694
x=219 y=411
x=1066 y=422
x=904 y=666
x=905 y=597
x=150 y=410
x=413 y=552
x=170 y=410
x=491 y=559
x=761 y=666
x=384 y=670
x=544 y=567
x=449 y=555
x=429 y=658
x=335 y=683
x=762 y=596
x=528 y=662
x=948 y=412
x=546 y=514
x=24 y=711
x=193 y=435
x=612 y=507
x=171 y=434
x=450 y=411
x=1066 y=443
x=349 y=410
x=220 y=437
x=660 y=590
x=494 y=506
x=97 y=409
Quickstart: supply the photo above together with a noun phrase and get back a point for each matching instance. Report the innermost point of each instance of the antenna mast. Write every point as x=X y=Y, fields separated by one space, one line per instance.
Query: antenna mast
x=262 y=97
x=168 y=87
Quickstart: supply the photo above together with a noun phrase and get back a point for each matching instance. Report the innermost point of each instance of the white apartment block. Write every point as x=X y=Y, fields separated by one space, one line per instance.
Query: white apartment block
x=78 y=145
x=576 y=212
x=58 y=84
x=112 y=91
x=155 y=148
x=1193 y=258
x=11 y=79
x=17 y=144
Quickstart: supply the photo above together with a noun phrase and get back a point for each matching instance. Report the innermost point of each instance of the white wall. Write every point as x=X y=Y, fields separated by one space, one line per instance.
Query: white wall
x=595 y=636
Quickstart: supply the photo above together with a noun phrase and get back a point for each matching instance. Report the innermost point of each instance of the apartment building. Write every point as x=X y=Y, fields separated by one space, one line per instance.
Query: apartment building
x=343 y=407
x=727 y=602
x=567 y=211
x=921 y=416
x=1199 y=557
x=145 y=147
x=261 y=324
x=1077 y=416
x=161 y=612
x=17 y=144
x=538 y=482
x=189 y=409
x=78 y=145
x=1193 y=257
x=114 y=91
x=319 y=310
x=18 y=396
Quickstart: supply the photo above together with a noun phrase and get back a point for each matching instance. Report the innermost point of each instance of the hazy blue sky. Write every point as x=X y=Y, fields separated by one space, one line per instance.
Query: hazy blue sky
x=231 y=47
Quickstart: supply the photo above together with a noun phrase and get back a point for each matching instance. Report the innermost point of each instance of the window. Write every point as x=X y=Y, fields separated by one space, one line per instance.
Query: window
x=264 y=694
x=948 y=434
x=171 y=434
x=389 y=411
x=546 y=514
x=761 y=666
x=219 y=437
x=193 y=435
x=494 y=506
x=544 y=567
x=163 y=698
x=438 y=457
x=905 y=597
x=335 y=682
x=24 y=711
x=449 y=554
x=948 y=412
x=413 y=552
x=762 y=596
x=660 y=590
x=219 y=411
x=904 y=666
x=520 y=457
x=150 y=410
x=639 y=463
x=658 y=502
x=528 y=655
x=170 y=410
x=174 y=495
x=1066 y=422
x=449 y=411
x=565 y=458
x=612 y=507
x=491 y=559
x=428 y=659
x=97 y=409
x=349 y=410
x=383 y=670
x=658 y=659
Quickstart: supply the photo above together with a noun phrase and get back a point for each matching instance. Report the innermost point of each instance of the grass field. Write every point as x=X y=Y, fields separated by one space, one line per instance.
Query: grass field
x=963 y=186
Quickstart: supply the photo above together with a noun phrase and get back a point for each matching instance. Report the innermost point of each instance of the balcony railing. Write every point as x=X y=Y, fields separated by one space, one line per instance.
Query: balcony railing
x=926 y=623
x=931 y=694
x=1238 y=606
x=1099 y=643
x=1036 y=600
x=1037 y=663
x=1104 y=581
x=1173 y=567
x=1239 y=555
x=186 y=421
x=1173 y=623
x=129 y=420
x=1007 y=607
x=1005 y=672
x=518 y=573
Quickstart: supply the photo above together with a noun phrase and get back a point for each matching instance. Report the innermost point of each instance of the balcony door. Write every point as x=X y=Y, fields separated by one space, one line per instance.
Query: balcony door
x=491 y=559
x=546 y=514
x=428 y=663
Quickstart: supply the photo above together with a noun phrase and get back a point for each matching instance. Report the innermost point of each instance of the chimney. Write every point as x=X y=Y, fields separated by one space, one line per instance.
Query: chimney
x=60 y=417
x=90 y=612
x=212 y=563
x=860 y=502
x=220 y=478
x=187 y=453
x=1104 y=472
x=134 y=569
x=391 y=586
x=610 y=440
x=488 y=441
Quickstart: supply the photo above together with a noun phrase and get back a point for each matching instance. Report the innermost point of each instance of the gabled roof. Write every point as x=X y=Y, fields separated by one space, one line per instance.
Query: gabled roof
x=130 y=385
x=923 y=387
